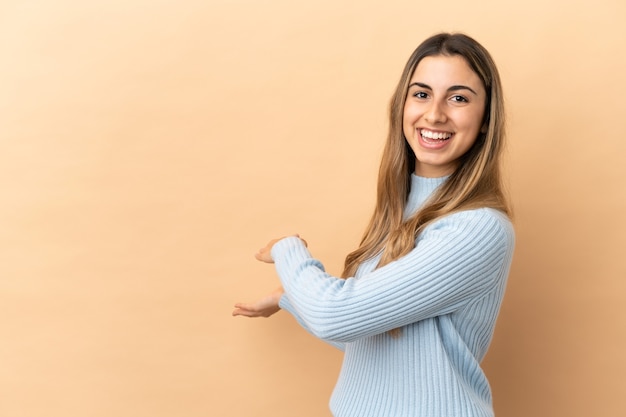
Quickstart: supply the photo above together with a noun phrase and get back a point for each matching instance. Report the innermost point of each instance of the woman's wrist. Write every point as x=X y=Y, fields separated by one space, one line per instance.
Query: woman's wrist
x=277 y=294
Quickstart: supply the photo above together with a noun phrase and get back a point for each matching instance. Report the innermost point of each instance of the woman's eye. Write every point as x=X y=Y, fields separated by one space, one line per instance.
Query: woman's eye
x=459 y=99
x=420 y=94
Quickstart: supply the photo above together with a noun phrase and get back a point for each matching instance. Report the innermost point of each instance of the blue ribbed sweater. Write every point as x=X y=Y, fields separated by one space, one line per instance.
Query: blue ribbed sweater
x=444 y=295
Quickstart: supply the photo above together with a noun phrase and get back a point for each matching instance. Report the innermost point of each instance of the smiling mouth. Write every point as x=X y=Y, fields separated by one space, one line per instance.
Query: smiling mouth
x=434 y=137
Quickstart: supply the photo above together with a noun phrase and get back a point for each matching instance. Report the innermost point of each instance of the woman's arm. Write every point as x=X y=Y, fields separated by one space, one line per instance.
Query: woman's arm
x=457 y=259
x=270 y=304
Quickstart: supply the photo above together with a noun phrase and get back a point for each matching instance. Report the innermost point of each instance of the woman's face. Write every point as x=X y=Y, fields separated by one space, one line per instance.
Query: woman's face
x=443 y=113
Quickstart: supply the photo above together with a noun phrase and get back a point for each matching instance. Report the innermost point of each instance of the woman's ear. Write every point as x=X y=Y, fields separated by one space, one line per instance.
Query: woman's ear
x=484 y=129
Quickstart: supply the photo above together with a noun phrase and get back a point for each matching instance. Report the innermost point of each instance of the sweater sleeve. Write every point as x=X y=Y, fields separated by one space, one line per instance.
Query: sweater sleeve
x=286 y=305
x=456 y=260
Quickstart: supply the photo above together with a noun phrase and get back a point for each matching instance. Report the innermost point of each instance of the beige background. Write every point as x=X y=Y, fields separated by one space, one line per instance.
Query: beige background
x=148 y=148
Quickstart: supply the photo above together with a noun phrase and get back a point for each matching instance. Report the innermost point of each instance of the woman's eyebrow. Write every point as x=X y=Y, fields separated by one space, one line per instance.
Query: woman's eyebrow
x=461 y=87
x=422 y=85
x=452 y=88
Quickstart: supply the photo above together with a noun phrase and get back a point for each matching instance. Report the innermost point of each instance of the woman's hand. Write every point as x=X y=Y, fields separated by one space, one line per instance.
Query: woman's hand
x=263 y=307
x=268 y=305
x=265 y=254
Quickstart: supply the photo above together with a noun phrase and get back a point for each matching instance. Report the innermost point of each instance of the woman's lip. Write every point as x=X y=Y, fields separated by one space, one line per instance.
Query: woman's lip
x=433 y=144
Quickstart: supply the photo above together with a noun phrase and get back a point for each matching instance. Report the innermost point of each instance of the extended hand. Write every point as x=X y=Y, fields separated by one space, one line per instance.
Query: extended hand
x=263 y=307
x=265 y=254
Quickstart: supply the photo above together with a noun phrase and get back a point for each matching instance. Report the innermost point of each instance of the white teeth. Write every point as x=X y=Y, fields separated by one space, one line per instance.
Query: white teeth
x=435 y=135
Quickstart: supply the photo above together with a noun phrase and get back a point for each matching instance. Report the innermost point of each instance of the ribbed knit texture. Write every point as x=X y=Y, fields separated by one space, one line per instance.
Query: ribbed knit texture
x=444 y=295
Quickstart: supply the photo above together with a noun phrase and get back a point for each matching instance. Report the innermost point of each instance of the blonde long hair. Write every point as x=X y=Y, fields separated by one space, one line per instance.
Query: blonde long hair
x=475 y=183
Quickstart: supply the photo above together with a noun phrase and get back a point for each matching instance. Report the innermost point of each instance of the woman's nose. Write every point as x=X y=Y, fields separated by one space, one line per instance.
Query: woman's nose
x=435 y=113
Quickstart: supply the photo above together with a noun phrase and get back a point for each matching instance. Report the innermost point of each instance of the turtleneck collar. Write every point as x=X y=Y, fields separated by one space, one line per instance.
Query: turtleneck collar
x=421 y=189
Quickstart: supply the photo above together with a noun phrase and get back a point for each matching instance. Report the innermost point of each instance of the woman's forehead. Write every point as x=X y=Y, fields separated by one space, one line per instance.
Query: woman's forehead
x=443 y=71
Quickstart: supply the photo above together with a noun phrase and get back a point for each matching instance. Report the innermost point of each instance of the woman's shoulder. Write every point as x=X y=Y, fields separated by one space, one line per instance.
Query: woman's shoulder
x=478 y=215
x=477 y=222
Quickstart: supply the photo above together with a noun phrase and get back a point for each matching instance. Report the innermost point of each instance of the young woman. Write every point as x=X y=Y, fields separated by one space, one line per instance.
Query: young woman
x=416 y=306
